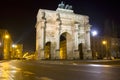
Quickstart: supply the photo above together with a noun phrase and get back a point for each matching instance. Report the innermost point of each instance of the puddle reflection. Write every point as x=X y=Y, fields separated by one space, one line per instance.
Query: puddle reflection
x=9 y=72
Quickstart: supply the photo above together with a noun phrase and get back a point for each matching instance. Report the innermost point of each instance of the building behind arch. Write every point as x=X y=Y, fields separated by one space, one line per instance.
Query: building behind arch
x=5 y=44
x=62 y=34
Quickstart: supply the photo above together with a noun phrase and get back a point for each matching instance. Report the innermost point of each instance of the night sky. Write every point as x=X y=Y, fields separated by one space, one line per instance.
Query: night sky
x=19 y=16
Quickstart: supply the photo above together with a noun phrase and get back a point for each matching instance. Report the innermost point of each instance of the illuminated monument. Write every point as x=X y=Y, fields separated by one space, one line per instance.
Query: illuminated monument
x=62 y=34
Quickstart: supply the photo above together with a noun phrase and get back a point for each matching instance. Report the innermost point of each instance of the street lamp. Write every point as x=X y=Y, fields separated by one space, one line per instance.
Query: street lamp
x=7 y=36
x=104 y=42
x=14 y=46
x=94 y=33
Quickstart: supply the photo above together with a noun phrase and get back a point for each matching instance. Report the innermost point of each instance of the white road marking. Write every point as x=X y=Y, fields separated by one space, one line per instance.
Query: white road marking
x=97 y=65
x=98 y=72
x=43 y=78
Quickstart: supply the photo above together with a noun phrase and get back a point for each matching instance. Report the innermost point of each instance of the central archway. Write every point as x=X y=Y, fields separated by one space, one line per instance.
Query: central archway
x=63 y=47
x=47 y=53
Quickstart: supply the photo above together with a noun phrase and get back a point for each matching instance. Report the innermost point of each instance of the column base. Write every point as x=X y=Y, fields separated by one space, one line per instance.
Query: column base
x=57 y=55
x=88 y=54
x=41 y=54
x=76 y=54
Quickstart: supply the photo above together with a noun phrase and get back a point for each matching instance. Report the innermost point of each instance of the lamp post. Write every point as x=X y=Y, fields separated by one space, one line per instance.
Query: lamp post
x=7 y=36
x=6 y=47
x=104 y=42
x=94 y=34
x=14 y=50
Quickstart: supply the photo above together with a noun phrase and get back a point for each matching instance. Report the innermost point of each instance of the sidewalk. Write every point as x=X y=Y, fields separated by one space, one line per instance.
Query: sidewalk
x=103 y=62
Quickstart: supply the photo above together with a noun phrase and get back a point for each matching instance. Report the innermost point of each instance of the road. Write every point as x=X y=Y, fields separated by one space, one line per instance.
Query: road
x=32 y=70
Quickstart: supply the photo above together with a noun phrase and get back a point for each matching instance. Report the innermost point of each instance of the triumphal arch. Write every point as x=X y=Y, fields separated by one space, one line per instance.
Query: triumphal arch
x=62 y=34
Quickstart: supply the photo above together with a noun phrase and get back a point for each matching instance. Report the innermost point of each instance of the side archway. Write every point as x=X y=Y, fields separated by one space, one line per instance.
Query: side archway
x=47 y=53
x=80 y=49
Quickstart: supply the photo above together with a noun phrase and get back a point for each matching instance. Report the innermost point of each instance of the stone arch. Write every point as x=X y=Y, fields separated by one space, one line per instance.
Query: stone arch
x=47 y=53
x=65 y=46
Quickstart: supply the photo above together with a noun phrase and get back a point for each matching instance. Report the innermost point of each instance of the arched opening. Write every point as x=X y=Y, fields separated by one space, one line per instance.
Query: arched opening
x=80 y=51
x=47 y=53
x=63 y=48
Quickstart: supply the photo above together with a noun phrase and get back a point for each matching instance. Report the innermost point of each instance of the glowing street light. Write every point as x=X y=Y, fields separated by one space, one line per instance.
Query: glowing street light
x=14 y=46
x=7 y=36
x=104 y=42
x=94 y=33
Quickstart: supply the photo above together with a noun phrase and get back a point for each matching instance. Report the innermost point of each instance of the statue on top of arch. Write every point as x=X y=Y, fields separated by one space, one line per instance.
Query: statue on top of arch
x=63 y=6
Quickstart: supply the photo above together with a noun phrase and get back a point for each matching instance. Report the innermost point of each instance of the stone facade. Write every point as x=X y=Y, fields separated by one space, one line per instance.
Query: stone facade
x=62 y=34
x=105 y=51
x=5 y=44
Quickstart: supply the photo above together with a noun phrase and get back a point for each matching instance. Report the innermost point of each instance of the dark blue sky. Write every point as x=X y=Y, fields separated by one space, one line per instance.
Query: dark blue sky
x=19 y=16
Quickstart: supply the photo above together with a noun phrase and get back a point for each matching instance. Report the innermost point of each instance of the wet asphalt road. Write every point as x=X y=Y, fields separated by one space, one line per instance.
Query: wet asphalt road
x=32 y=70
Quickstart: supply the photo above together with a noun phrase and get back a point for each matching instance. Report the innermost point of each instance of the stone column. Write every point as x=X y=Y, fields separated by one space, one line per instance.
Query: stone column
x=42 y=43
x=57 y=55
x=38 y=36
x=88 y=54
x=88 y=38
x=58 y=28
x=76 y=37
x=76 y=42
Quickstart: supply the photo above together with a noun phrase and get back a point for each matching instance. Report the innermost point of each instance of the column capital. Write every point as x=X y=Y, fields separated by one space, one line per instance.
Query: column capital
x=58 y=22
